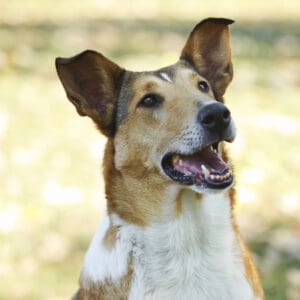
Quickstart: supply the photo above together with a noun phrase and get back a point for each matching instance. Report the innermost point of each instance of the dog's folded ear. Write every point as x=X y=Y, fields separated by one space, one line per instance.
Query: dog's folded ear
x=208 y=50
x=92 y=82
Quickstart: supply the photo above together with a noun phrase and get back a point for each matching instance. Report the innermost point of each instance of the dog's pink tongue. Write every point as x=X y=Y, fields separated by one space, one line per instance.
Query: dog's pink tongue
x=191 y=164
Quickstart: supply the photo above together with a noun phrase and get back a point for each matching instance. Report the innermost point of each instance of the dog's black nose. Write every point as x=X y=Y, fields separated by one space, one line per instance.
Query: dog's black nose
x=215 y=117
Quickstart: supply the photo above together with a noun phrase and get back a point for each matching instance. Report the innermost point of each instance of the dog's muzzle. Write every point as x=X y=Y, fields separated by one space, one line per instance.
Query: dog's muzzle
x=205 y=167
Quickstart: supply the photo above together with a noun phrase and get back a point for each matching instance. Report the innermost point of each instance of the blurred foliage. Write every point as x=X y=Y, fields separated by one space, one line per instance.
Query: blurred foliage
x=51 y=194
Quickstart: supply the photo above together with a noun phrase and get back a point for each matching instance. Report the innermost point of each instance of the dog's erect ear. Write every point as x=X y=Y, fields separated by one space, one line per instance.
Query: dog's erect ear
x=92 y=82
x=208 y=50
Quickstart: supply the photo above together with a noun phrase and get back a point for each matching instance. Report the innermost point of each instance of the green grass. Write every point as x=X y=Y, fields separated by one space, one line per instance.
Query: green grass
x=51 y=192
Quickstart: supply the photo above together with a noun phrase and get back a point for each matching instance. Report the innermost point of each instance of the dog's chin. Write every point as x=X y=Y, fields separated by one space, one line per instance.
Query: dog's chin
x=205 y=190
x=204 y=171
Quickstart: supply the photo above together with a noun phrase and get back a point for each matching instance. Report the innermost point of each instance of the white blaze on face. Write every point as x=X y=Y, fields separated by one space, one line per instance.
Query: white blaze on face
x=166 y=77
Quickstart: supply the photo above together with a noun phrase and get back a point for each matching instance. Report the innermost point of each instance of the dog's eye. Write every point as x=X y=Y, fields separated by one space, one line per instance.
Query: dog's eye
x=150 y=100
x=203 y=86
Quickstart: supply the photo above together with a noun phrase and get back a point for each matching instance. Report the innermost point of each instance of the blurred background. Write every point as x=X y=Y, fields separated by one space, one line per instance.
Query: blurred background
x=51 y=194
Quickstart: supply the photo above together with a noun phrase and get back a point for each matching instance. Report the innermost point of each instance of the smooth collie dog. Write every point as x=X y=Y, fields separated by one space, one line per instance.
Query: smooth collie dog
x=169 y=230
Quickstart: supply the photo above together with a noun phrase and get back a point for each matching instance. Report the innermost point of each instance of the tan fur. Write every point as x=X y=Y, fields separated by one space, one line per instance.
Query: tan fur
x=111 y=236
x=122 y=192
x=252 y=273
x=178 y=206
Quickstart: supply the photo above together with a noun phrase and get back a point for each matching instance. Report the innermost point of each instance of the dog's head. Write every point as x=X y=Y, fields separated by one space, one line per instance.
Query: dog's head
x=171 y=120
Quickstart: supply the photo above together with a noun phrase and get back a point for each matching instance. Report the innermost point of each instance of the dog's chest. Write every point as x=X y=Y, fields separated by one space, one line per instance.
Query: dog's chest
x=193 y=257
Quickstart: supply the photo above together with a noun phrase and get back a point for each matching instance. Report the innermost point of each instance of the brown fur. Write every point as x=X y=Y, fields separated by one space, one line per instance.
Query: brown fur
x=110 y=237
x=178 y=206
x=252 y=273
x=137 y=138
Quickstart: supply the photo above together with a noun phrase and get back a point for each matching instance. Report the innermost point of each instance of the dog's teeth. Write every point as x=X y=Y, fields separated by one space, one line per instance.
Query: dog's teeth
x=213 y=177
x=205 y=171
x=175 y=158
x=227 y=175
x=180 y=162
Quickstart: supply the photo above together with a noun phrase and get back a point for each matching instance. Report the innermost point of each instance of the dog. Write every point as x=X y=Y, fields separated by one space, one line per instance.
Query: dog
x=169 y=230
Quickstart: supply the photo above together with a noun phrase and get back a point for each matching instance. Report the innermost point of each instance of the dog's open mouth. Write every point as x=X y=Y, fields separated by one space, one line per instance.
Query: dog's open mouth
x=204 y=168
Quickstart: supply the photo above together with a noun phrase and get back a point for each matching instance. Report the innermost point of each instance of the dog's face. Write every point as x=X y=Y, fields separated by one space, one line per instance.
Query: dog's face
x=170 y=121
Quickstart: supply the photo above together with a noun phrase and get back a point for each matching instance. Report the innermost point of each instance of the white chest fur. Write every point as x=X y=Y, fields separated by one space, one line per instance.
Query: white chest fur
x=194 y=256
